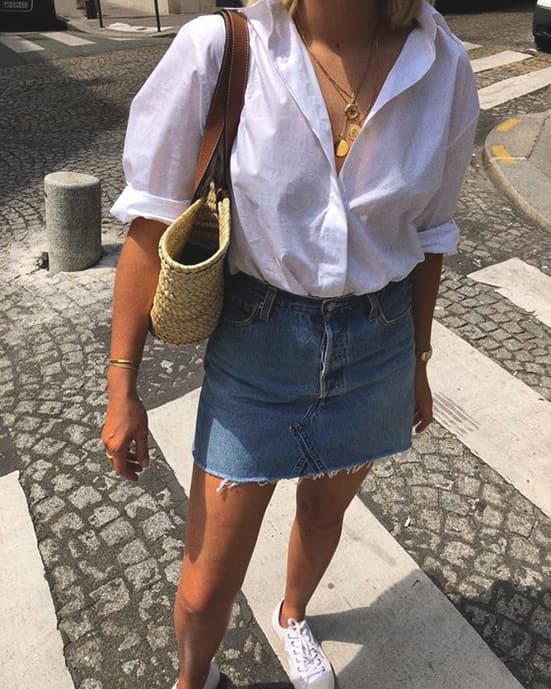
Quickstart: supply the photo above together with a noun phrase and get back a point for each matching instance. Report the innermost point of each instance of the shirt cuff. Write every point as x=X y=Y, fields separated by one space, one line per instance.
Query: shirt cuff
x=440 y=239
x=133 y=203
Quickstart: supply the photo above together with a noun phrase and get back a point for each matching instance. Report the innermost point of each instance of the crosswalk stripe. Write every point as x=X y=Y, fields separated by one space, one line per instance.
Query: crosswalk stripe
x=20 y=45
x=378 y=614
x=514 y=87
x=501 y=59
x=521 y=283
x=498 y=417
x=31 y=652
x=470 y=46
x=67 y=38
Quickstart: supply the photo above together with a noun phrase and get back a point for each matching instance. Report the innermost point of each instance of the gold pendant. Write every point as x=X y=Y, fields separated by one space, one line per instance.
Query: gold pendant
x=341 y=148
x=353 y=131
x=352 y=111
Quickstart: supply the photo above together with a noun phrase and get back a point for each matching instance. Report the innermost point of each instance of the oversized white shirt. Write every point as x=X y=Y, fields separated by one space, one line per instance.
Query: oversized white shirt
x=297 y=224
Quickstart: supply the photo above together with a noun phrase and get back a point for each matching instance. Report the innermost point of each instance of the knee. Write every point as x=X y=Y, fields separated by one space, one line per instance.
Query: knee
x=318 y=516
x=201 y=604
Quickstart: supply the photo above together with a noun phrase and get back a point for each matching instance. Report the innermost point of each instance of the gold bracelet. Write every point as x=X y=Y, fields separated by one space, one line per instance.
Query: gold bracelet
x=128 y=367
x=124 y=361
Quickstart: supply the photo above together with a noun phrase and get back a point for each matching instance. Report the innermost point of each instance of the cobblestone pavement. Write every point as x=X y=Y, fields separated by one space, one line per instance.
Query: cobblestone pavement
x=112 y=549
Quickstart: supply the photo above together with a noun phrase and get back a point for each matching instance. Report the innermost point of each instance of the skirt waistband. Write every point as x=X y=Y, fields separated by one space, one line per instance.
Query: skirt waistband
x=248 y=286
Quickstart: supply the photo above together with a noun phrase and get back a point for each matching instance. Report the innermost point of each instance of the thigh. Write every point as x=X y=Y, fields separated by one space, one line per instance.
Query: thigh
x=325 y=499
x=221 y=532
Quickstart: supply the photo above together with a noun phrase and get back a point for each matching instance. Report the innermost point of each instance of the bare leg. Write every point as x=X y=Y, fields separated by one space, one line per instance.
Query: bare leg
x=221 y=532
x=315 y=534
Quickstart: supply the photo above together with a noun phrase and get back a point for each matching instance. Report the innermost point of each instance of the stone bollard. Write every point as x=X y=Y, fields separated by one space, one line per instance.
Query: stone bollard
x=73 y=220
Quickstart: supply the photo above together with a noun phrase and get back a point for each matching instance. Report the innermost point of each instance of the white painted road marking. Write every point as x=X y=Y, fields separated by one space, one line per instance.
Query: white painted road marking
x=506 y=57
x=67 y=38
x=470 y=46
x=31 y=651
x=376 y=612
x=514 y=87
x=121 y=26
x=20 y=45
x=521 y=283
x=498 y=417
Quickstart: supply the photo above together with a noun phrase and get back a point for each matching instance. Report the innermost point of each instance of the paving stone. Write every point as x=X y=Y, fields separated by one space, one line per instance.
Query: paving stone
x=132 y=552
x=430 y=519
x=66 y=524
x=70 y=600
x=84 y=496
x=49 y=551
x=85 y=543
x=541 y=622
x=519 y=523
x=110 y=597
x=90 y=684
x=116 y=531
x=76 y=628
x=62 y=483
x=49 y=507
x=85 y=653
x=64 y=576
x=458 y=553
x=468 y=486
x=103 y=515
x=157 y=525
x=516 y=607
x=159 y=637
x=142 y=574
x=521 y=549
x=144 y=505
x=460 y=527
x=455 y=503
x=492 y=517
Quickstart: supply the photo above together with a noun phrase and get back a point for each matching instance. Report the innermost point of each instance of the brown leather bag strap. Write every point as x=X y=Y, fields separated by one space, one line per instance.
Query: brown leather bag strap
x=225 y=108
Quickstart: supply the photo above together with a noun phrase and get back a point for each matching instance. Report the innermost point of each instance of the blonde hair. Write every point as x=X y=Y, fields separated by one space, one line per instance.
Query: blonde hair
x=400 y=13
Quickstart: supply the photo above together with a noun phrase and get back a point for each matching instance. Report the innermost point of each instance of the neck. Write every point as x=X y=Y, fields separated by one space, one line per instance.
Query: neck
x=337 y=23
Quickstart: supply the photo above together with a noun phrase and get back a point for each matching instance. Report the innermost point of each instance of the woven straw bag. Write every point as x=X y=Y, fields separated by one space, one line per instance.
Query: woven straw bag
x=190 y=290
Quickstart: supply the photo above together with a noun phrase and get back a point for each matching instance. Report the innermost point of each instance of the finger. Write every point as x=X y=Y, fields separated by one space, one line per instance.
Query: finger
x=423 y=424
x=122 y=468
x=132 y=462
x=142 y=450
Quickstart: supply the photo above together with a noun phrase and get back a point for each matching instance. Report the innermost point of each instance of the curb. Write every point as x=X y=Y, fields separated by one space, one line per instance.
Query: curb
x=506 y=156
x=130 y=35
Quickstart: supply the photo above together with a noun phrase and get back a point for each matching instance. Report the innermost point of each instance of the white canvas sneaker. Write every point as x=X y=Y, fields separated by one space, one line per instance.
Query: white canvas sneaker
x=308 y=665
x=213 y=678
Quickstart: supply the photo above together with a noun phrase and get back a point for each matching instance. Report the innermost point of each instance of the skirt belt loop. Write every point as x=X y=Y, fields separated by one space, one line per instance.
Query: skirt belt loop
x=373 y=305
x=267 y=303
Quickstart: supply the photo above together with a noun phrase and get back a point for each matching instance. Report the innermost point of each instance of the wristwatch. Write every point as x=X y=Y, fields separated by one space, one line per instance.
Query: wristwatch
x=424 y=356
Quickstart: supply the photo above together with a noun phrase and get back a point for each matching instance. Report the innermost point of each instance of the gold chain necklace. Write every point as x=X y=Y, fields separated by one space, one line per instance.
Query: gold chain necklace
x=352 y=111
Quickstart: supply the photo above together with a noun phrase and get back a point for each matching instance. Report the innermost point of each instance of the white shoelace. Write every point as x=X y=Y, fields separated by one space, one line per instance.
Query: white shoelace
x=304 y=650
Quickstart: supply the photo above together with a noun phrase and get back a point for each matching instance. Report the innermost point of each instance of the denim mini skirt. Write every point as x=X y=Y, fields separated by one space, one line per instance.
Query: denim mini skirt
x=301 y=387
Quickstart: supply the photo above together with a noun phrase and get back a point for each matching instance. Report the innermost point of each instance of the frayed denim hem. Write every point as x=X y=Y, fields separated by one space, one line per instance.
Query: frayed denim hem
x=228 y=483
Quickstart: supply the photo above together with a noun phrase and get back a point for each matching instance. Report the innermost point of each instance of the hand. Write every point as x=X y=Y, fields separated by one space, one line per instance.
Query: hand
x=422 y=415
x=125 y=435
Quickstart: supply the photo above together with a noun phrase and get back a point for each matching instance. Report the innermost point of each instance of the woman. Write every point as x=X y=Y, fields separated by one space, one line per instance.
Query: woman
x=356 y=132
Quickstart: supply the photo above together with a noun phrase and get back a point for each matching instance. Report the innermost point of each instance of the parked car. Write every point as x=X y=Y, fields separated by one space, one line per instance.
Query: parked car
x=542 y=24
x=29 y=15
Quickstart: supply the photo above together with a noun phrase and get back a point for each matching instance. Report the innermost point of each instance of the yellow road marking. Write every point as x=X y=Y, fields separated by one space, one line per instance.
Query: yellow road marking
x=508 y=124
x=502 y=154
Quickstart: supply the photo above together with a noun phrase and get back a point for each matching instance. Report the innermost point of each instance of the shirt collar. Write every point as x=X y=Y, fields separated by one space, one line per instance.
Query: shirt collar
x=277 y=31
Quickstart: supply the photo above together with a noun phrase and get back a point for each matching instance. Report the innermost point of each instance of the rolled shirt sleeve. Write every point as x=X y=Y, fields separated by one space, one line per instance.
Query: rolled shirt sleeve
x=166 y=123
x=438 y=232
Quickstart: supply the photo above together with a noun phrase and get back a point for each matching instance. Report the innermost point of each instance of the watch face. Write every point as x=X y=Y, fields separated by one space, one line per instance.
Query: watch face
x=424 y=356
